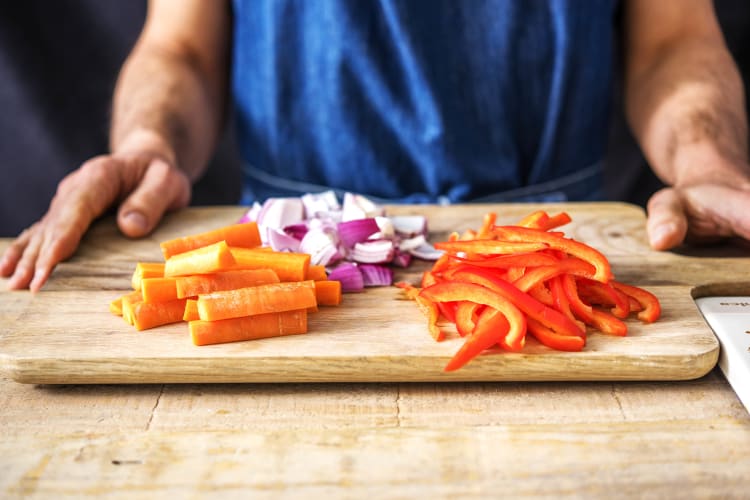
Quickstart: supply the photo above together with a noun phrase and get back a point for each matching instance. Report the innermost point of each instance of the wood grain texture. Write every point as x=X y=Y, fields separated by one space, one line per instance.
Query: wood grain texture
x=600 y=439
x=66 y=334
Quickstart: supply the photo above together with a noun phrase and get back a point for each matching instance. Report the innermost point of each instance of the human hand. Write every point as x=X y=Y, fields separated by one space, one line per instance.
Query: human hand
x=699 y=213
x=146 y=185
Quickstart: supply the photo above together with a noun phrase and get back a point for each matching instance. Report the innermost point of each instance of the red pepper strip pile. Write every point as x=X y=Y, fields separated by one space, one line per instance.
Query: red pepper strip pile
x=500 y=282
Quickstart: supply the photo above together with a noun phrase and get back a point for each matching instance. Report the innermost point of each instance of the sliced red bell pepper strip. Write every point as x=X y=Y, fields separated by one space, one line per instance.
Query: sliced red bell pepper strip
x=535 y=220
x=455 y=291
x=651 y=307
x=607 y=323
x=526 y=259
x=490 y=247
x=525 y=302
x=517 y=234
x=430 y=310
x=569 y=265
x=542 y=220
x=491 y=329
x=562 y=302
x=581 y=309
x=554 y=340
x=466 y=316
x=542 y=293
x=605 y=294
x=487 y=224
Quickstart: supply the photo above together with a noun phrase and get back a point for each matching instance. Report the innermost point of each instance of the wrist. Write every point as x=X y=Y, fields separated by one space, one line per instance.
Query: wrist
x=701 y=163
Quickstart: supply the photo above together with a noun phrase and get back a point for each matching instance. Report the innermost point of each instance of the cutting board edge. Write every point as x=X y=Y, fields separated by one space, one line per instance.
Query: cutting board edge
x=272 y=370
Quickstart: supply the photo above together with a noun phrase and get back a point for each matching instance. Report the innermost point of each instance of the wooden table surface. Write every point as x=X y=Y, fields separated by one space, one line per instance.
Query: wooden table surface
x=686 y=439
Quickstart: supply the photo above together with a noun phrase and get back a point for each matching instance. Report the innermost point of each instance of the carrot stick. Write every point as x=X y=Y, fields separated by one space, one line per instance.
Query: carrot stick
x=191 y=310
x=328 y=293
x=115 y=306
x=128 y=302
x=248 y=327
x=159 y=289
x=194 y=285
x=261 y=299
x=289 y=266
x=316 y=273
x=146 y=270
x=204 y=260
x=239 y=235
x=150 y=314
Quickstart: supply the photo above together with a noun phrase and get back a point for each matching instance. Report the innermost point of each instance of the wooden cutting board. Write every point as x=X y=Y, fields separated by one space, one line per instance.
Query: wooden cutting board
x=66 y=334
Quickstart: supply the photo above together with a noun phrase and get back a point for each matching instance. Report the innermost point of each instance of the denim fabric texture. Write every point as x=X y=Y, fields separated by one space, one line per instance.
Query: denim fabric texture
x=432 y=101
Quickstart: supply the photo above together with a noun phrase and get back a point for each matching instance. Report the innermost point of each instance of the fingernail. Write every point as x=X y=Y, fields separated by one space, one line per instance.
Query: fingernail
x=136 y=220
x=662 y=233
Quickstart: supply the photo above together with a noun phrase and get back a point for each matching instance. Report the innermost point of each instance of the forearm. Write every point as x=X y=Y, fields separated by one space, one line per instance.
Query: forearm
x=686 y=107
x=171 y=94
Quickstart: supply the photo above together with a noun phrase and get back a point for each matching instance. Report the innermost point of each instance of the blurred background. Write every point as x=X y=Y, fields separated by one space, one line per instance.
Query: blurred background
x=58 y=65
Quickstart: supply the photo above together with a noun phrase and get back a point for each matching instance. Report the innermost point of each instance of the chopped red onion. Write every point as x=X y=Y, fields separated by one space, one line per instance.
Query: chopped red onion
x=401 y=259
x=386 y=228
x=356 y=206
x=426 y=252
x=412 y=243
x=280 y=241
x=409 y=225
x=321 y=245
x=298 y=230
x=356 y=231
x=319 y=204
x=373 y=252
x=350 y=235
x=349 y=275
x=376 y=275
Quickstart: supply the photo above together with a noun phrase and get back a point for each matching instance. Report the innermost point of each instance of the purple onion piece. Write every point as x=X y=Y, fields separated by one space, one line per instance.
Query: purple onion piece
x=373 y=252
x=426 y=252
x=376 y=275
x=321 y=245
x=356 y=231
x=409 y=225
x=298 y=230
x=319 y=204
x=280 y=241
x=349 y=275
x=356 y=206
x=411 y=243
x=281 y=212
x=401 y=259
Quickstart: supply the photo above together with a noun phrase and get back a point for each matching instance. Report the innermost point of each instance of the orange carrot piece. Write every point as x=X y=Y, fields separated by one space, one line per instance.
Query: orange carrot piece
x=204 y=260
x=328 y=292
x=151 y=314
x=146 y=270
x=289 y=266
x=239 y=235
x=191 y=310
x=115 y=306
x=261 y=299
x=316 y=273
x=129 y=300
x=159 y=289
x=194 y=285
x=248 y=327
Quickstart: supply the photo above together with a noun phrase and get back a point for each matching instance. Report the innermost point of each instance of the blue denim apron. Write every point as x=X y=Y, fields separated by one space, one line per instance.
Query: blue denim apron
x=438 y=101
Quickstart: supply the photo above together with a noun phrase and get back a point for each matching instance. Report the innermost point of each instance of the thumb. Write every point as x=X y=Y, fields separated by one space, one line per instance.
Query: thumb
x=667 y=223
x=161 y=187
